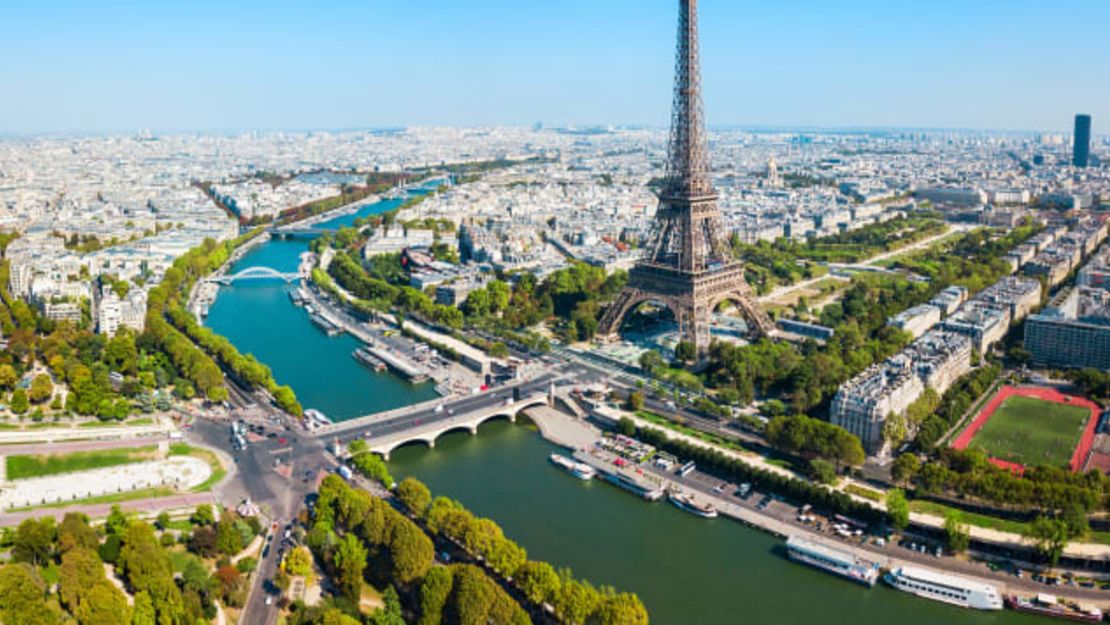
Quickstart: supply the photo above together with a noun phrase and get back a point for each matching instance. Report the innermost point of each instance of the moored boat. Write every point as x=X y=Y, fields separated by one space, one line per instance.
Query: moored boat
x=317 y=416
x=579 y=470
x=1049 y=605
x=944 y=587
x=687 y=503
x=640 y=487
x=834 y=560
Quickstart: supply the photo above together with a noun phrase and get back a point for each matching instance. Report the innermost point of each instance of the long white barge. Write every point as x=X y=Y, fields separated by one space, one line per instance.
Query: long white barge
x=945 y=587
x=835 y=561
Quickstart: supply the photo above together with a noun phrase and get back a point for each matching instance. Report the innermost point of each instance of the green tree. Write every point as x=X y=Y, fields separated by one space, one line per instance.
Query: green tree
x=956 y=533
x=650 y=361
x=372 y=466
x=1049 y=538
x=636 y=400
x=228 y=540
x=626 y=426
x=42 y=388
x=143 y=612
x=20 y=404
x=203 y=515
x=898 y=509
x=619 y=609
x=434 y=592
x=415 y=495
x=685 y=351
x=905 y=468
x=538 y=581
x=21 y=597
x=411 y=553
x=74 y=531
x=576 y=600
x=8 y=377
x=299 y=562
x=34 y=541
x=823 y=471
x=350 y=561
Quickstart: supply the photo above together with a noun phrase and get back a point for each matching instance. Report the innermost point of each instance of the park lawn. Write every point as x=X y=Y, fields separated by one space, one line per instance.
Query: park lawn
x=1032 y=431
x=866 y=493
x=40 y=465
x=218 y=470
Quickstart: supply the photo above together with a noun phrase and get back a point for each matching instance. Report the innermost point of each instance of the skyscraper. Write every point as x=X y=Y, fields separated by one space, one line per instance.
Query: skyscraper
x=1081 y=152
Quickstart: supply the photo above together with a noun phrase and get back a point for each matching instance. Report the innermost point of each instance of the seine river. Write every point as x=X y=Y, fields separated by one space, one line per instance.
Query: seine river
x=688 y=571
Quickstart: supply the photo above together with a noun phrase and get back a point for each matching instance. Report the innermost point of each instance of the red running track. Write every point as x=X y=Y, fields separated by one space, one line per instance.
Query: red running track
x=1047 y=394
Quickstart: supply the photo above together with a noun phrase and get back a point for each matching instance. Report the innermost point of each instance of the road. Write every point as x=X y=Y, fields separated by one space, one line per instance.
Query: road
x=280 y=498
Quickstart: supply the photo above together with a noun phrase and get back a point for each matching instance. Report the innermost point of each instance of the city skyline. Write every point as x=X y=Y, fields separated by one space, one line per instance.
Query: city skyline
x=249 y=67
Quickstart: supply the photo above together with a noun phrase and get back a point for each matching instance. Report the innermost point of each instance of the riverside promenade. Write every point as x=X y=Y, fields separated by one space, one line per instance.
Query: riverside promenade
x=780 y=519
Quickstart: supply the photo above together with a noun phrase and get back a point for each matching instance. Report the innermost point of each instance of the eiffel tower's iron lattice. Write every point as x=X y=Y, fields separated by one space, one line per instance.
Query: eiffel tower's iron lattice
x=687 y=264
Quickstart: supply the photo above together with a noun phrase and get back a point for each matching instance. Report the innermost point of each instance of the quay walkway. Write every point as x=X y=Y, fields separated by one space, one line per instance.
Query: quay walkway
x=394 y=359
x=779 y=519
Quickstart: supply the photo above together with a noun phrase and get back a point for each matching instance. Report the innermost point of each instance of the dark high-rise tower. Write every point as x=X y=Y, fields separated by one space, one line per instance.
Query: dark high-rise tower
x=1081 y=151
x=687 y=263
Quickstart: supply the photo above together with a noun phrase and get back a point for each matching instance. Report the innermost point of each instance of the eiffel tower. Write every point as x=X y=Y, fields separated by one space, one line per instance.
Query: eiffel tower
x=687 y=264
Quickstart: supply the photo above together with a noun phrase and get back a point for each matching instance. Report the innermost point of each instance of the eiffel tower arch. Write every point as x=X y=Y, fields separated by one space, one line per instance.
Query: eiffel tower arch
x=687 y=263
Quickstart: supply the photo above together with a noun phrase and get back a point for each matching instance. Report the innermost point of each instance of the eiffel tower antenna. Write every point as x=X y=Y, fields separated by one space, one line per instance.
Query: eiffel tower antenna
x=687 y=263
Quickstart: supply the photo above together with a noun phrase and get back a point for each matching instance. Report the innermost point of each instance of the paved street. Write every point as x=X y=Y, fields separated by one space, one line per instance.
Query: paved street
x=279 y=497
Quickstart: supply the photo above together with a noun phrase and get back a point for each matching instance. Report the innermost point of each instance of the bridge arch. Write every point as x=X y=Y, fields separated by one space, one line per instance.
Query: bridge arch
x=471 y=425
x=258 y=272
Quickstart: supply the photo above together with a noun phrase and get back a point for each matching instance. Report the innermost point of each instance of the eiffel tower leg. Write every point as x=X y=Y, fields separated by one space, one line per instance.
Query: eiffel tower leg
x=609 y=327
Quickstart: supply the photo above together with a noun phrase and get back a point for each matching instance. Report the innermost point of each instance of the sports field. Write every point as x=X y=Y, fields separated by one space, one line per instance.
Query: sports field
x=1031 y=431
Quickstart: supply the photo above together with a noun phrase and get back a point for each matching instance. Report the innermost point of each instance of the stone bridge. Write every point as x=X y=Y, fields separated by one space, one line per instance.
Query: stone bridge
x=428 y=431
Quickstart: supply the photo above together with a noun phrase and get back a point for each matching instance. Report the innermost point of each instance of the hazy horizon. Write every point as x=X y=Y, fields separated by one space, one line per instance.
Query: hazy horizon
x=996 y=65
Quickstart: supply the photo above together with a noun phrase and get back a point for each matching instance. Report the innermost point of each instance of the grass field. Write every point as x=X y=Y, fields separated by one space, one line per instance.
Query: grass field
x=20 y=467
x=1032 y=431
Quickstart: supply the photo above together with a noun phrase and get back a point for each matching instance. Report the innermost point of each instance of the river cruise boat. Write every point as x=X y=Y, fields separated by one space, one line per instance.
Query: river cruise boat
x=834 y=560
x=580 y=470
x=1049 y=605
x=939 y=586
x=685 y=502
x=368 y=359
x=317 y=417
x=640 y=487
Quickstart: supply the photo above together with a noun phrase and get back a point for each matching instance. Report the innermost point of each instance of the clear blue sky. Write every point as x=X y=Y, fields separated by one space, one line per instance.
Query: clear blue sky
x=207 y=65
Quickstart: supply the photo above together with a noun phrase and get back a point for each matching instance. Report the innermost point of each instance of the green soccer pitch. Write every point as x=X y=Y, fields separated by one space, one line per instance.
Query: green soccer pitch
x=1032 y=431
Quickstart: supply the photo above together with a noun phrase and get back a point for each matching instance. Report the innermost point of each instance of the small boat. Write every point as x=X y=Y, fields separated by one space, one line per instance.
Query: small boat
x=687 y=503
x=580 y=470
x=317 y=416
x=1048 y=605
